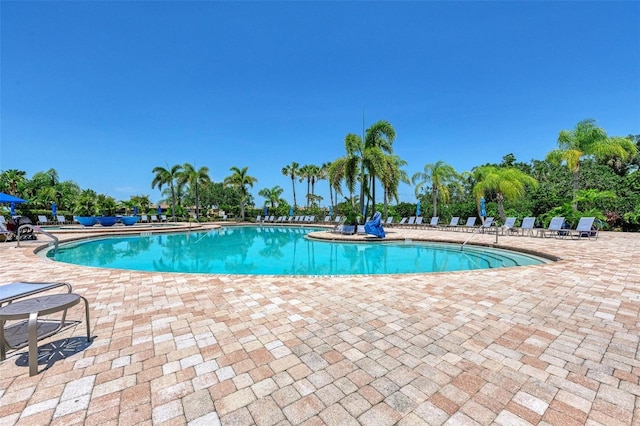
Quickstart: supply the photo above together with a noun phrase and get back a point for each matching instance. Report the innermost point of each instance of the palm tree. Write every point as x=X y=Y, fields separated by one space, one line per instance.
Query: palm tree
x=306 y=173
x=323 y=174
x=192 y=177
x=438 y=176
x=392 y=178
x=271 y=195
x=347 y=168
x=292 y=171
x=167 y=177
x=12 y=178
x=588 y=140
x=508 y=183
x=240 y=180
x=378 y=142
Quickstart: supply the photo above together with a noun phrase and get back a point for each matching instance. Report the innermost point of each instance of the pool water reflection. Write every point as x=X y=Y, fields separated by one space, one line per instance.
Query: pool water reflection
x=265 y=250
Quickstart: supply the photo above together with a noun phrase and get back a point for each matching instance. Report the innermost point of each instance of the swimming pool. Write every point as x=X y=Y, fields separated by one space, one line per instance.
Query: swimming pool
x=279 y=250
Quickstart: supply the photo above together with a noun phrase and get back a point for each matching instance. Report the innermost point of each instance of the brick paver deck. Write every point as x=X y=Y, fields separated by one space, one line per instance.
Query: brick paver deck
x=553 y=344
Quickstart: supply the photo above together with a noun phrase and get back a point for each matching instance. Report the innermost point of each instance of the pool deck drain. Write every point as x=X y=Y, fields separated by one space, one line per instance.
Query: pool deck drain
x=549 y=344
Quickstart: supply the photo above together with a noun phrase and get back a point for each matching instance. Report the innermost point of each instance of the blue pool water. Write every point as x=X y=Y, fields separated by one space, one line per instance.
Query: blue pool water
x=264 y=250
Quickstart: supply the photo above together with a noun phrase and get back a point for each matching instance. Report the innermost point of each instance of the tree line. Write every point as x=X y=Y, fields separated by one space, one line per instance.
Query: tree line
x=588 y=174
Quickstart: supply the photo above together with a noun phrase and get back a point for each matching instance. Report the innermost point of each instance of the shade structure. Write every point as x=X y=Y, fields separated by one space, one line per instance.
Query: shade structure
x=54 y=210
x=6 y=198
x=483 y=207
x=418 y=208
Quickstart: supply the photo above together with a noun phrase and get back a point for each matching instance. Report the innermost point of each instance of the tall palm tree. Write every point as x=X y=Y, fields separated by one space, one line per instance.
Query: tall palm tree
x=378 y=142
x=323 y=174
x=438 y=176
x=508 y=184
x=192 y=177
x=305 y=173
x=167 y=177
x=588 y=140
x=392 y=178
x=292 y=171
x=348 y=168
x=240 y=180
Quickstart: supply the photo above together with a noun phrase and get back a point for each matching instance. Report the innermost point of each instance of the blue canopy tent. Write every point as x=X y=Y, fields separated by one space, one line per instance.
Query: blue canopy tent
x=6 y=198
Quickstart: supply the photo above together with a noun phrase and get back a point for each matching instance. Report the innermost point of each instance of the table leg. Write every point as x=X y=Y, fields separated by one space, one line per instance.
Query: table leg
x=33 y=344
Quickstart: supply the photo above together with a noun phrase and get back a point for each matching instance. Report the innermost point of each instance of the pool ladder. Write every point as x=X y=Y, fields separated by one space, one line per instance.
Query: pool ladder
x=40 y=230
x=478 y=230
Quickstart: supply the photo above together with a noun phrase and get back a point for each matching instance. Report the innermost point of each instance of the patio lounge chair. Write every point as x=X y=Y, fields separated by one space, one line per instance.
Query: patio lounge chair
x=434 y=222
x=42 y=220
x=418 y=222
x=527 y=226
x=144 y=218
x=61 y=219
x=508 y=225
x=402 y=222
x=452 y=225
x=471 y=224
x=555 y=228
x=389 y=221
x=154 y=218
x=585 y=228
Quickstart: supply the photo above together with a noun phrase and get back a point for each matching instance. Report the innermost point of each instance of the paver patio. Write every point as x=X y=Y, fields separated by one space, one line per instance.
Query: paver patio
x=553 y=344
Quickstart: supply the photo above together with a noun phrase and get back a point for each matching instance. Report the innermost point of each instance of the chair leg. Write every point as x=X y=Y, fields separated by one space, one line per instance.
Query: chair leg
x=33 y=344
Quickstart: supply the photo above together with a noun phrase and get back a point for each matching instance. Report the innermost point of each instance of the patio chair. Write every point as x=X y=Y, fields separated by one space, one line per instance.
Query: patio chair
x=508 y=225
x=418 y=222
x=42 y=220
x=144 y=218
x=163 y=217
x=434 y=222
x=471 y=223
x=61 y=219
x=453 y=224
x=585 y=228
x=154 y=218
x=411 y=221
x=555 y=228
x=389 y=221
x=402 y=222
x=528 y=225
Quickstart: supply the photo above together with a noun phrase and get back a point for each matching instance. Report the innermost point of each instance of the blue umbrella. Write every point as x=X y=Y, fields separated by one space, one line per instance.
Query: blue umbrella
x=13 y=209
x=290 y=210
x=483 y=207
x=266 y=211
x=135 y=210
x=418 y=209
x=54 y=209
x=159 y=209
x=330 y=210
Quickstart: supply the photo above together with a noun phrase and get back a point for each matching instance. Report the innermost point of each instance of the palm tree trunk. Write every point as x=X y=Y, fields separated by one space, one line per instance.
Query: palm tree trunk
x=500 y=199
x=434 y=200
x=293 y=185
x=576 y=176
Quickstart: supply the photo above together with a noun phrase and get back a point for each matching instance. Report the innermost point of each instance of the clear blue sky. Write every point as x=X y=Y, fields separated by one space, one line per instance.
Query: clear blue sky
x=105 y=91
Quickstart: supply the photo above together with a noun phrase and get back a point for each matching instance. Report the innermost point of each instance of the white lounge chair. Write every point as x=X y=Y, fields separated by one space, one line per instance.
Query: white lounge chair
x=42 y=220
x=61 y=219
x=527 y=226
x=434 y=222
x=471 y=223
